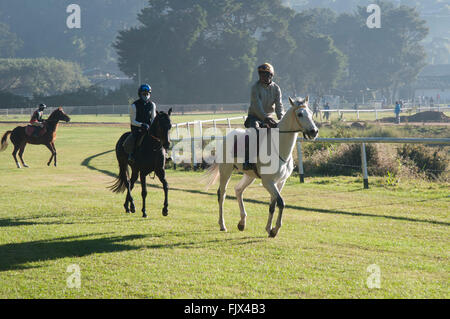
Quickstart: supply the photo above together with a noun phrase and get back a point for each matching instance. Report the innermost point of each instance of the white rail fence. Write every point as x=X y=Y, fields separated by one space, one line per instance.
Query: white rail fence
x=195 y=141
x=376 y=112
x=206 y=108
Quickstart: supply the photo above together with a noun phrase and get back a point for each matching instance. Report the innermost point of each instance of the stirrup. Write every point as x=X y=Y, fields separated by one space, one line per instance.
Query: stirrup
x=247 y=166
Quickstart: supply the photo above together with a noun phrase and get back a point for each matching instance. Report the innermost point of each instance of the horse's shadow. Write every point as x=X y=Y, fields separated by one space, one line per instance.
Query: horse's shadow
x=30 y=221
x=17 y=256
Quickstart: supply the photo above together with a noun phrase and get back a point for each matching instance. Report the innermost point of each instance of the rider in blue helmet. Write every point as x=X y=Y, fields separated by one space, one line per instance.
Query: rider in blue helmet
x=142 y=113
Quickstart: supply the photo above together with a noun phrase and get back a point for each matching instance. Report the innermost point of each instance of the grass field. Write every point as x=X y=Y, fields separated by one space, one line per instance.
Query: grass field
x=51 y=218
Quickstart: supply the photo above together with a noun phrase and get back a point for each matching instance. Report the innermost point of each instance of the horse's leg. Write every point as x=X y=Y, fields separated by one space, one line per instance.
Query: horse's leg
x=14 y=154
x=277 y=200
x=225 y=173
x=143 y=193
x=22 y=148
x=49 y=146
x=130 y=186
x=239 y=190
x=54 y=152
x=162 y=177
x=280 y=186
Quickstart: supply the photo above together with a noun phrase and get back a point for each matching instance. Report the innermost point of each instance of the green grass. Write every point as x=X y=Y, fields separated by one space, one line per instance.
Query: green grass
x=333 y=230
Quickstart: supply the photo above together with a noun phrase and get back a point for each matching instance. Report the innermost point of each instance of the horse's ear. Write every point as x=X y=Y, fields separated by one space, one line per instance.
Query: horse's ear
x=307 y=99
x=157 y=112
x=291 y=101
x=170 y=111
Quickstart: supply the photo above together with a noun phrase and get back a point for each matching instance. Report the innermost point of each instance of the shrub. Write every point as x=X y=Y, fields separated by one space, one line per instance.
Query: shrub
x=433 y=162
x=345 y=159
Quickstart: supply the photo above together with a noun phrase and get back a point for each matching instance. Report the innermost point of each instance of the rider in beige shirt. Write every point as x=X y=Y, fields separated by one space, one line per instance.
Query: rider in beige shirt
x=265 y=102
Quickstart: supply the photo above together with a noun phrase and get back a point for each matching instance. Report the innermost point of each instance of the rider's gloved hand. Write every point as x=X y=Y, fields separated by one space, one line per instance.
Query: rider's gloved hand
x=145 y=126
x=270 y=122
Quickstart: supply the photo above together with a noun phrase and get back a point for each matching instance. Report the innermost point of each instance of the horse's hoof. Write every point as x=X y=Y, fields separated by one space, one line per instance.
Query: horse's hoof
x=241 y=227
x=223 y=229
x=165 y=212
x=273 y=233
x=25 y=165
x=144 y=216
x=133 y=209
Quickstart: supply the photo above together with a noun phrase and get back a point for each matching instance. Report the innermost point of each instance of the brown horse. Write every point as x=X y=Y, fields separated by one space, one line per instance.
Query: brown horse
x=20 y=139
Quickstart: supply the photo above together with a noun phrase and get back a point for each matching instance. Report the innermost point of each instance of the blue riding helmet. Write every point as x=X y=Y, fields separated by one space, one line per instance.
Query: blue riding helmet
x=144 y=88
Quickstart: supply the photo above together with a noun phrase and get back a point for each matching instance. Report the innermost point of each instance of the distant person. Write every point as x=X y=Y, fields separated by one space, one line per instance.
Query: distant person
x=431 y=102
x=326 y=114
x=37 y=120
x=265 y=102
x=397 y=110
x=316 y=108
x=142 y=114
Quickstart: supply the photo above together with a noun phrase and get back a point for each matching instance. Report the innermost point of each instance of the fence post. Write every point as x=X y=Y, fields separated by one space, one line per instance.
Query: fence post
x=229 y=124
x=300 y=162
x=193 y=153
x=364 y=166
x=376 y=115
x=201 y=138
x=215 y=128
x=357 y=115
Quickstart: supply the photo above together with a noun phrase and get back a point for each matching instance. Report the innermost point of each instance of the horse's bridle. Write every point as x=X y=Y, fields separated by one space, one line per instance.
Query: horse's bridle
x=295 y=131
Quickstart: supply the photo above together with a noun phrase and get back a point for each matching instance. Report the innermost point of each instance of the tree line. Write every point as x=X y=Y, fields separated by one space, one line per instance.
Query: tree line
x=194 y=51
x=207 y=51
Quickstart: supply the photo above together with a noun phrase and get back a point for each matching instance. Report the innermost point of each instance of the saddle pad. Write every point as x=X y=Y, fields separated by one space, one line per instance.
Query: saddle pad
x=29 y=130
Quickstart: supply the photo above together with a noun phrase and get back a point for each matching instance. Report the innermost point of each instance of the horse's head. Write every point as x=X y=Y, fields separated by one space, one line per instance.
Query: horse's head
x=59 y=115
x=304 y=117
x=162 y=127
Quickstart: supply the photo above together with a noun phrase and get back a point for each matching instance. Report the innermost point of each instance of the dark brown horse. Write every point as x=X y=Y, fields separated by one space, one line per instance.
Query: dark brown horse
x=150 y=157
x=20 y=139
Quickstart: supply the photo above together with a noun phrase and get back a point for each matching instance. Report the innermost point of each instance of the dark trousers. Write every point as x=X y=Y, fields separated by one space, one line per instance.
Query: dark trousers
x=137 y=134
x=252 y=122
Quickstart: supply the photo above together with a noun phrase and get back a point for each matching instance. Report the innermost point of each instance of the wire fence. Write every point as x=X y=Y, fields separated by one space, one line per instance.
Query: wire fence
x=196 y=148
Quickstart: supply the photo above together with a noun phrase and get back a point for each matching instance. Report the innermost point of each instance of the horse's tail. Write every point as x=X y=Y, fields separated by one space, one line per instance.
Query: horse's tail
x=211 y=175
x=4 y=141
x=120 y=185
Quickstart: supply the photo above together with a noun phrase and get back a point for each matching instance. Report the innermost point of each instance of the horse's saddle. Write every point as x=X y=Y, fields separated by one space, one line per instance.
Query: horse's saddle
x=31 y=130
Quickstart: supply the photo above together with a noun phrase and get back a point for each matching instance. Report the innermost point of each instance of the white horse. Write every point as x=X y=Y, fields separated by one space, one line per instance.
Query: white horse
x=297 y=119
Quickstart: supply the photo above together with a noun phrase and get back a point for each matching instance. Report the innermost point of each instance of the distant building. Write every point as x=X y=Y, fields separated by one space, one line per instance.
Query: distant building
x=433 y=82
x=106 y=80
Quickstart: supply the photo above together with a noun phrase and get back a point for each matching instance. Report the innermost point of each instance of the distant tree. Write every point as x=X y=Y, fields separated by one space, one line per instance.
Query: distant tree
x=9 y=42
x=40 y=76
x=196 y=51
x=379 y=59
x=10 y=100
x=41 y=25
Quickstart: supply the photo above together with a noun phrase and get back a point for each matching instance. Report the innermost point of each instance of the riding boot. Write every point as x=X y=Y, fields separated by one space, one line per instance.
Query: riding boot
x=247 y=166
